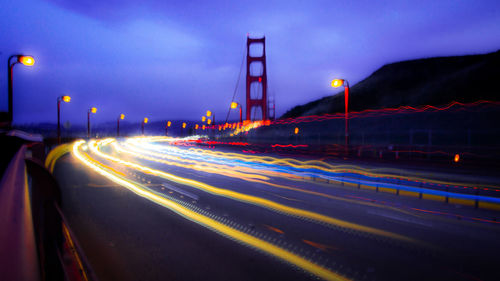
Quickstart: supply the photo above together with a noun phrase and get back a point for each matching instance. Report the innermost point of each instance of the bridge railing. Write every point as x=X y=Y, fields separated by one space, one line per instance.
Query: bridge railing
x=36 y=242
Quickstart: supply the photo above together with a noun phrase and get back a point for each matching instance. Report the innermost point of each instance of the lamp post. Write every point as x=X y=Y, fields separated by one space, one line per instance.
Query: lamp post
x=91 y=110
x=26 y=60
x=166 y=127
x=121 y=117
x=144 y=121
x=59 y=99
x=337 y=83
x=237 y=105
x=182 y=129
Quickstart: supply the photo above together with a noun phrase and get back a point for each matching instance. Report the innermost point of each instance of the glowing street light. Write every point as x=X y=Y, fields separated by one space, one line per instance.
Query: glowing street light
x=209 y=121
x=203 y=118
x=166 y=127
x=59 y=99
x=121 y=117
x=338 y=83
x=26 y=60
x=91 y=110
x=210 y=113
x=235 y=105
x=144 y=121
x=182 y=128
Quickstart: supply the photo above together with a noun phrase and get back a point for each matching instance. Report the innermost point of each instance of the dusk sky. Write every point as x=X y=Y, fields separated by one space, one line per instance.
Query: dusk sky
x=176 y=59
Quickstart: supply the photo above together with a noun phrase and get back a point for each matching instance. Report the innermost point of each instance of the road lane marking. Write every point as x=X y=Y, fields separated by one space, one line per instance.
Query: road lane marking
x=179 y=190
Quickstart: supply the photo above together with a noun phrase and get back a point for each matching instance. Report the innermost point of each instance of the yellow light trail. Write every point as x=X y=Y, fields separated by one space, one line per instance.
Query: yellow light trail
x=210 y=223
x=312 y=164
x=195 y=165
x=134 y=146
x=300 y=213
x=205 y=168
x=55 y=154
x=323 y=166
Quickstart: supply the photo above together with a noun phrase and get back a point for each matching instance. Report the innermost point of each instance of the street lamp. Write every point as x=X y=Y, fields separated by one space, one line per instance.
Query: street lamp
x=203 y=118
x=144 y=121
x=209 y=113
x=338 y=83
x=59 y=99
x=121 y=117
x=236 y=105
x=91 y=110
x=26 y=60
x=166 y=127
x=183 y=127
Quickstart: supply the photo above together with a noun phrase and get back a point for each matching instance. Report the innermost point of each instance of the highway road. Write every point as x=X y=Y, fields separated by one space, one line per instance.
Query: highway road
x=160 y=209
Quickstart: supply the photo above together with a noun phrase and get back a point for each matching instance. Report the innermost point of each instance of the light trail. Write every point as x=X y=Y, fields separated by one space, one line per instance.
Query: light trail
x=412 y=182
x=208 y=222
x=271 y=205
x=380 y=177
x=313 y=166
x=192 y=164
x=139 y=153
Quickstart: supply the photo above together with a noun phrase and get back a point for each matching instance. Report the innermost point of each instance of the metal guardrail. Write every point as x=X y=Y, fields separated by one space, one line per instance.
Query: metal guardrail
x=36 y=243
x=18 y=252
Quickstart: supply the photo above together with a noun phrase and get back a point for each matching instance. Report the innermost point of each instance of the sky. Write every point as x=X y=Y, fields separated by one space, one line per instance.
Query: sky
x=172 y=60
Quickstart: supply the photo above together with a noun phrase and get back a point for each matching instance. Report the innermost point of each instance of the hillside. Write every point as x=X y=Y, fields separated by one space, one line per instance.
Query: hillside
x=433 y=81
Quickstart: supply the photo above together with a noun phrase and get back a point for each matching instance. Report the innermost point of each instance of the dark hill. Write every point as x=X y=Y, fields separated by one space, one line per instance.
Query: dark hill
x=434 y=81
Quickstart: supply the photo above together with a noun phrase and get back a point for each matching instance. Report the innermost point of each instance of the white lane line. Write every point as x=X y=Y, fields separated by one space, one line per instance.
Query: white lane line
x=178 y=190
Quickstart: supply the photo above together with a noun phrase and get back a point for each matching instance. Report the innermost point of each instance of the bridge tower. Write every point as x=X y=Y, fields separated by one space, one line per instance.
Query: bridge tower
x=256 y=83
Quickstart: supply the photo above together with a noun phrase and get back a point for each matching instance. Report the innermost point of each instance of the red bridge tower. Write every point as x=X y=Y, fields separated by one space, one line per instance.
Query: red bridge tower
x=256 y=83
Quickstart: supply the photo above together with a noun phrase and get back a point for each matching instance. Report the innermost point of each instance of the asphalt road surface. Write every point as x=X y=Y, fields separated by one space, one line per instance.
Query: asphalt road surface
x=149 y=209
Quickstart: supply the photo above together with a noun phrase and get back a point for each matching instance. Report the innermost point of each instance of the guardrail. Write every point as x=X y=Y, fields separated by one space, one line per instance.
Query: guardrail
x=36 y=243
